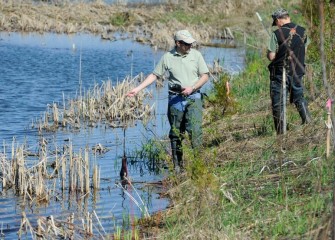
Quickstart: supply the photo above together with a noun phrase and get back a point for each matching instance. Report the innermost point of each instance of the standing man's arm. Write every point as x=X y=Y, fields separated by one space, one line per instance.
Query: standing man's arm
x=149 y=79
x=272 y=47
x=202 y=80
x=271 y=55
x=203 y=77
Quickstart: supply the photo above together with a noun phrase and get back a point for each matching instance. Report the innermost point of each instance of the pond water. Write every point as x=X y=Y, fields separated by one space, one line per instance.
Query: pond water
x=37 y=70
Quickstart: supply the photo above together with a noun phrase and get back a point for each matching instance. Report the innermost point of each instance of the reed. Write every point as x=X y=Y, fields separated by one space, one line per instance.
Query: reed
x=71 y=180
x=140 y=204
x=87 y=172
x=80 y=173
x=55 y=113
x=106 y=104
x=96 y=177
x=35 y=180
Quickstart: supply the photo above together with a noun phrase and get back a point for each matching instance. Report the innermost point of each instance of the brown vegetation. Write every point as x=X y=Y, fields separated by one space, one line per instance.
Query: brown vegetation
x=153 y=24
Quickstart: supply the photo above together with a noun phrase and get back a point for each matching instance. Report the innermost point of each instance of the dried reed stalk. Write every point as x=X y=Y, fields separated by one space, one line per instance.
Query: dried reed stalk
x=55 y=113
x=96 y=175
x=71 y=180
x=107 y=103
x=80 y=173
x=87 y=172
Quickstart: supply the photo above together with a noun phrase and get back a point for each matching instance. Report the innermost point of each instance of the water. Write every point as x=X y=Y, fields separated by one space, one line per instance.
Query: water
x=36 y=70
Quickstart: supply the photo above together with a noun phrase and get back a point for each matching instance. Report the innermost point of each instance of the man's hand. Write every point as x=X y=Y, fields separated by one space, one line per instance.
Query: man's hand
x=150 y=79
x=133 y=92
x=187 y=91
x=271 y=55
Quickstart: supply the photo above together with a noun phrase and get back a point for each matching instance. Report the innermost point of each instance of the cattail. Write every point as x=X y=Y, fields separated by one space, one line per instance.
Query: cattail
x=71 y=187
x=95 y=177
x=87 y=172
x=63 y=172
x=55 y=114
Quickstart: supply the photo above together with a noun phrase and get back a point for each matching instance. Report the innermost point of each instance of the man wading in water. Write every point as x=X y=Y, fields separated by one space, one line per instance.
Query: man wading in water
x=187 y=73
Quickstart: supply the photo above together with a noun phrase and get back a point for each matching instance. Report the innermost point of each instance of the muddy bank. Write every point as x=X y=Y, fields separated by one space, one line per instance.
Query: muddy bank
x=150 y=24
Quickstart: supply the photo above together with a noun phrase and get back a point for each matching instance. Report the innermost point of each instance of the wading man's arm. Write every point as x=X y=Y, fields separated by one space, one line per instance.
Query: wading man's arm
x=150 y=79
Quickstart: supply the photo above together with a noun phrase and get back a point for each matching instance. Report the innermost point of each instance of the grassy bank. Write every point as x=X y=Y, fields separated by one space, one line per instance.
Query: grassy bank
x=249 y=183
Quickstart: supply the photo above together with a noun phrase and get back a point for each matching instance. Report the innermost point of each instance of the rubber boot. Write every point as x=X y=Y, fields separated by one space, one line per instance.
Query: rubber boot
x=278 y=122
x=177 y=156
x=304 y=113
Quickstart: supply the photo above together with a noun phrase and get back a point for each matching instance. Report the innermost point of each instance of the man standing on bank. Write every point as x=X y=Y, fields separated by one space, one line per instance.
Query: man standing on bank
x=286 y=49
x=187 y=73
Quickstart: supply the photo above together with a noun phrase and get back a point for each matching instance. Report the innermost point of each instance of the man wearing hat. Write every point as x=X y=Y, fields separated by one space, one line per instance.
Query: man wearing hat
x=286 y=49
x=187 y=73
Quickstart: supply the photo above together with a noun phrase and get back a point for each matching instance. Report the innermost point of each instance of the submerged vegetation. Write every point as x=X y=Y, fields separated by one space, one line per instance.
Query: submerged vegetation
x=247 y=183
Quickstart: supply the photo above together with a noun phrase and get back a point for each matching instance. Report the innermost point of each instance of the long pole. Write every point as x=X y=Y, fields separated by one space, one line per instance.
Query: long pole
x=284 y=100
x=329 y=126
x=261 y=20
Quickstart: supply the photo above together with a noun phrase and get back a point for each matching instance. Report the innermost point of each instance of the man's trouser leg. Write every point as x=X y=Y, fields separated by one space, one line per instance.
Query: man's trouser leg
x=177 y=154
x=297 y=97
x=193 y=123
x=277 y=105
x=303 y=111
x=176 y=120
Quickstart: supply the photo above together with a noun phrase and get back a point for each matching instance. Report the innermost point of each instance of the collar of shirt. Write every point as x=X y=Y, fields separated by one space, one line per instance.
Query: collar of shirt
x=179 y=54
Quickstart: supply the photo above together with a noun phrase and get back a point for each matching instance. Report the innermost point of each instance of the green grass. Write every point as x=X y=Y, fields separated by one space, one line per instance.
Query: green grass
x=187 y=17
x=244 y=184
x=120 y=19
x=248 y=183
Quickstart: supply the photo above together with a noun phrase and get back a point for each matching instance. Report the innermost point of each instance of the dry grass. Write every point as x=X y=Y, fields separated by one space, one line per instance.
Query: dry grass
x=33 y=175
x=154 y=24
x=105 y=103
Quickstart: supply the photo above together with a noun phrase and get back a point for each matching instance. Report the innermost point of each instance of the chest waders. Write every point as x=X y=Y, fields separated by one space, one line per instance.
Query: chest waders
x=184 y=115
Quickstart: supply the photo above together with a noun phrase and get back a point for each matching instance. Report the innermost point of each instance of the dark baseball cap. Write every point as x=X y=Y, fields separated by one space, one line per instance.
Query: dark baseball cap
x=279 y=13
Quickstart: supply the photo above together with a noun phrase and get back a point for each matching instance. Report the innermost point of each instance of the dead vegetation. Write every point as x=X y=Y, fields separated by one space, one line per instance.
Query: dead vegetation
x=102 y=104
x=153 y=24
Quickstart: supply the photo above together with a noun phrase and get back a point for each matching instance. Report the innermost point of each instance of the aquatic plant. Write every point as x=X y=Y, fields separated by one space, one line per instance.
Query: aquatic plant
x=31 y=175
x=107 y=104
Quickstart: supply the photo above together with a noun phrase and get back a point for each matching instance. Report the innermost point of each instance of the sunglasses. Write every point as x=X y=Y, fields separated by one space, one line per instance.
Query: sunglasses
x=185 y=44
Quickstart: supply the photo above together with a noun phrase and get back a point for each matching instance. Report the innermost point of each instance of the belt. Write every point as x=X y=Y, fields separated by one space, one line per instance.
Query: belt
x=179 y=93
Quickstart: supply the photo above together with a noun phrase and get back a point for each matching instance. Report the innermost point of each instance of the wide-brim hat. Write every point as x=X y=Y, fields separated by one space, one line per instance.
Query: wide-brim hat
x=185 y=36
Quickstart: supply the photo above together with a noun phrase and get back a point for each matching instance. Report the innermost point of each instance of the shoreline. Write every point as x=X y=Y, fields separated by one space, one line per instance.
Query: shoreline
x=149 y=24
x=139 y=24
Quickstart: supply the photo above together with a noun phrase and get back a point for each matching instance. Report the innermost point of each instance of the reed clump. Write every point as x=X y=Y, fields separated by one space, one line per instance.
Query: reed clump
x=52 y=228
x=34 y=176
x=105 y=104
